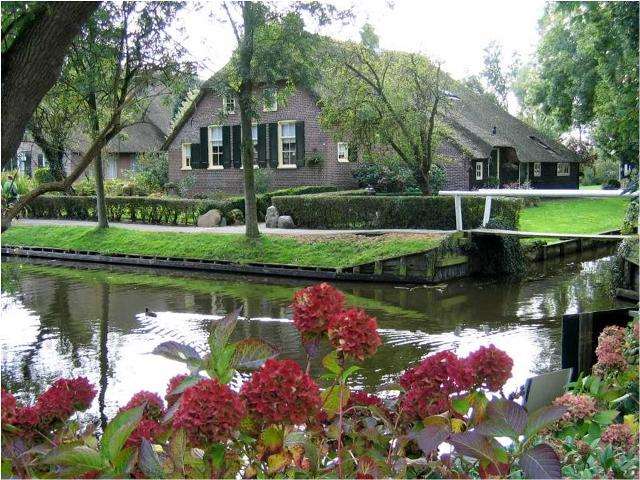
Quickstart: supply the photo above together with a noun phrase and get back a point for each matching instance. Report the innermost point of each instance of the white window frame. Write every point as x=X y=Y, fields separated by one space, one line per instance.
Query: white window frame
x=281 y=163
x=537 y=169
x=211 y=165
x=273 y=107
x=226 y=101
x=44 y=160
x=186 y=159
x=563 y=173
x=254 y=128
x=479 y=171
x=343 y=157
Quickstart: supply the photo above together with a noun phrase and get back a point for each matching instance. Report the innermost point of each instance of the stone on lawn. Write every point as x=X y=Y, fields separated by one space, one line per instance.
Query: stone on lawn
x=271 y=218
x=285 y=221
x=210 y=219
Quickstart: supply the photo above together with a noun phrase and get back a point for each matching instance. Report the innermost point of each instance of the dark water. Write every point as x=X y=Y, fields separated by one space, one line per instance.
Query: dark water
x=67 y=320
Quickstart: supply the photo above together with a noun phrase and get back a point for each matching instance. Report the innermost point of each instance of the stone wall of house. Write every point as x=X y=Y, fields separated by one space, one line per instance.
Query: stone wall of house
x=300 y=106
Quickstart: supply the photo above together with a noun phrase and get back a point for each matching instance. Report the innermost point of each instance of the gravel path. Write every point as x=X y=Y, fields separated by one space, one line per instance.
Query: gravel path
x=228 y=229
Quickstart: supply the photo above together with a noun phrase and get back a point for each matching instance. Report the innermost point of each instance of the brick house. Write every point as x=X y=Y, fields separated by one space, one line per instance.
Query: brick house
x=485 y=142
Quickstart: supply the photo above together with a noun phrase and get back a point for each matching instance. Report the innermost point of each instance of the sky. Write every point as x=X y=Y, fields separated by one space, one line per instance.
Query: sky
x=454 y=32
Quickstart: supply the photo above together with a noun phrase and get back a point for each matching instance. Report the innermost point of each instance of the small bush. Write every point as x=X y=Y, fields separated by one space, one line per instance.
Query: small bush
x=611 y=184
x=151 y=172
x=85 y=187
x=352 y=211
x=392 y=178
x=42 y=175
x=262 y=178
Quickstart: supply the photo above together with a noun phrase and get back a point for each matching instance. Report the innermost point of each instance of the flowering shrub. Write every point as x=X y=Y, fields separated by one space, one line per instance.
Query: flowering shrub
x=281 y=423
x=281 y=392
x=209 y=412
x=354 y=334
x=314 y=306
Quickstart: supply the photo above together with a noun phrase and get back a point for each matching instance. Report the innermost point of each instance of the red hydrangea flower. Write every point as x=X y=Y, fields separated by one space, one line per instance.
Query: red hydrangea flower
x=152 y=403
x=619 y=435
x=173 y=384
x=364 y=399
x=354 y=333
x=147 y=428
x=63 y=398
x=491 y=367
x=578 y=407
x=610 y=350
x=281 y=392
x=313 y=307
x=26 y=417
x=9 y=406
x=209 y=412
x=429 y=385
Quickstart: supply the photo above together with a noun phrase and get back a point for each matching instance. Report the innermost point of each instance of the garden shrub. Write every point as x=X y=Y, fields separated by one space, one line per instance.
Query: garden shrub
x=283 y=423
x=42 y=175
x=498 y=254
x=336 y=211
x=151 y=172
x=611 y=184
x=383 y=177
x=85 y=187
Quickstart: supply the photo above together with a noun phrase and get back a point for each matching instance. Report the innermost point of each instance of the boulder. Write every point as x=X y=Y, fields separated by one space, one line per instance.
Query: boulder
x=235 y=217
x=285 y=221
x=210 y=219
x=271 y=218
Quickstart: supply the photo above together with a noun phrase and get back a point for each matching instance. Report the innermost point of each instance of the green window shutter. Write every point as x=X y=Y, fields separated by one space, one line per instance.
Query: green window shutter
x=300 y=144
x=262 y=145
x=226 y=146
x=237 y=158
x=273 y=145
x=204 y=147
x=196 y=156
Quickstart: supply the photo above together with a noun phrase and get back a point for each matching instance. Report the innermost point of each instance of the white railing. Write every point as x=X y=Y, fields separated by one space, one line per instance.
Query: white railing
x=489 y=193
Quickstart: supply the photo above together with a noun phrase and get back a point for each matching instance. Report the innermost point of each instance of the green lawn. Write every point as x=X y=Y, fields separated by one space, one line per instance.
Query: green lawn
x=574 y=215
x=318 y=252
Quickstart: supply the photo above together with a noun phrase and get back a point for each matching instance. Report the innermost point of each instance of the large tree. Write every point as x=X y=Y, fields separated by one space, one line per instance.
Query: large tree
x=35 y=40
x=131 y=57
x=386 y=100
x=273 y=51
x=586 y=74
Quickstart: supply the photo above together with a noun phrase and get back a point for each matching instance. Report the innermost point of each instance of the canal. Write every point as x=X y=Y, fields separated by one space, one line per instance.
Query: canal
x=62 y=319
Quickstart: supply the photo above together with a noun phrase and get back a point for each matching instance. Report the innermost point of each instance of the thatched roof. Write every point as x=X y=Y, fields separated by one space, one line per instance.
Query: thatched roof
x=477 y=124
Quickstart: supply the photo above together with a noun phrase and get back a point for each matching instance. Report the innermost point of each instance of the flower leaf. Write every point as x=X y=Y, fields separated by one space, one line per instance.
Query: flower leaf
x=181 y=353
x=331 y=399
x=149 y=461
x=189 y=381
x=251 y=353
x=430 y=437
x=473 y=444
x=330 y=362
x=605 y=417
x=277 y=462
x=543 y=417
x=461 y=404
x=118 y=430
x=178 y=450
x=272 y=438
x=540 y=461
x=79 y=456
x=504 y=418
x=221 y=331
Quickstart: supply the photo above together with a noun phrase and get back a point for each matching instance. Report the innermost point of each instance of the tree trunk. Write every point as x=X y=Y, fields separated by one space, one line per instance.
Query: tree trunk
x=246 y=87
x=101 y=205
x=39 y=47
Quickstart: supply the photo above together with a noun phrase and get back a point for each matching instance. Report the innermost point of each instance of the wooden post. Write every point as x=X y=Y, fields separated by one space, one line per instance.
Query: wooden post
x=458 y=206
x=487 y=211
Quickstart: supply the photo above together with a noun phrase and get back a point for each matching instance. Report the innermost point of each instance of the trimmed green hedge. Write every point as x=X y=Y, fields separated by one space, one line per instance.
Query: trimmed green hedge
x=171 y=211
x=362 y=212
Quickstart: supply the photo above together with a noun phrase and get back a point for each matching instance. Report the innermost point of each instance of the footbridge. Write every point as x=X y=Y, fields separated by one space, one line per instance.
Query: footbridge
x=488 y=194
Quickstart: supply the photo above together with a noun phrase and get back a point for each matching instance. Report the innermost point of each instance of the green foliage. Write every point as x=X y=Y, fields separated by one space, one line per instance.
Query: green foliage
x=263 y=178
x=498 y=254
x=21 y=183
x=389 y=177
x=385 y=100
x=349 y=211
x=151 y=172
x=600 y=171
x=586 y=74
x=42 y=175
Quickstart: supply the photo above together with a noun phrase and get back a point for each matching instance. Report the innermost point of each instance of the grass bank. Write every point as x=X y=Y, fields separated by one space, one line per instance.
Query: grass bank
x=574 y=215
x=335 y=251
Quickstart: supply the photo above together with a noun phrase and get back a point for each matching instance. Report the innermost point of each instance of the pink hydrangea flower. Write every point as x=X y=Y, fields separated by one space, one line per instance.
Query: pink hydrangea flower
x=354 y=333
x=579 y=407
x=313 y=307
x=171 y=398
x=619 y=435
x=491 y=367
x=152 y=403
